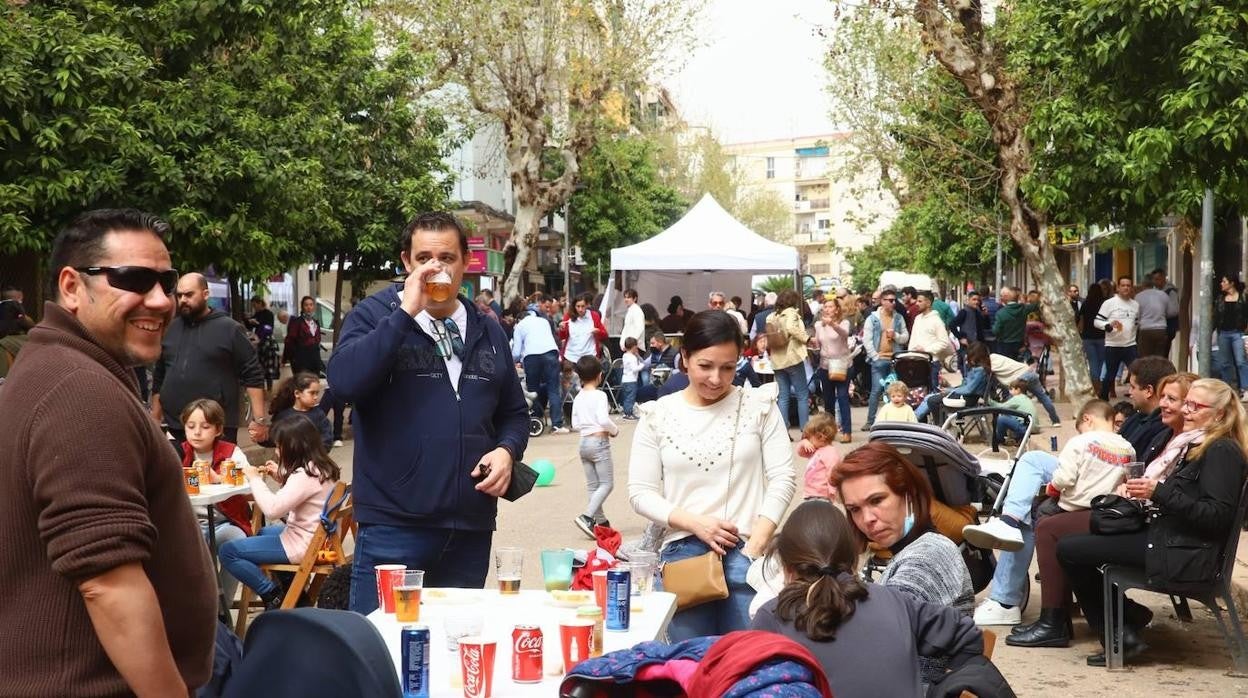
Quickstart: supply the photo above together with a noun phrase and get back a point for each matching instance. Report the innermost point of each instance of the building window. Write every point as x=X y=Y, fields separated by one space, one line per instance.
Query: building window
x=771 y=168
x=825 y=224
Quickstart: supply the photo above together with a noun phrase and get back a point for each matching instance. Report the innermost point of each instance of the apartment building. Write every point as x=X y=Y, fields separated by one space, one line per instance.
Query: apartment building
x=838 y=203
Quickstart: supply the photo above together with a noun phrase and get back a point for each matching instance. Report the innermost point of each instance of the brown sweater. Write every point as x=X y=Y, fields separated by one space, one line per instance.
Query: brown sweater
x=88 y=483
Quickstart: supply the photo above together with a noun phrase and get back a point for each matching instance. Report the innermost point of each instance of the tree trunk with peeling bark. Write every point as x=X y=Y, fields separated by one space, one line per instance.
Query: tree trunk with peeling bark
x=957 y=42
x=528 y=218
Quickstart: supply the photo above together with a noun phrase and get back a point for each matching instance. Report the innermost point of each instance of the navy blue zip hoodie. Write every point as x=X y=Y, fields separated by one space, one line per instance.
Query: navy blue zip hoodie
x=416 y=442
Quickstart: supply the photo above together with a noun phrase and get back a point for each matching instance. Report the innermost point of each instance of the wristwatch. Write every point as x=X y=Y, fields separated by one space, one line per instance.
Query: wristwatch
x=262 y=421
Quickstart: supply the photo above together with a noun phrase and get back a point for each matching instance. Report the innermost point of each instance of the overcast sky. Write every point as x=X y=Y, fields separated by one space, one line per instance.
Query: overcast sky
x=758 y=74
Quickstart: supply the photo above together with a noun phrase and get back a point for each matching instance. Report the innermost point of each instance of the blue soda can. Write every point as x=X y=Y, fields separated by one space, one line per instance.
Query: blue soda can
x=415 y=668
x=619 y=598
x=1052 y=443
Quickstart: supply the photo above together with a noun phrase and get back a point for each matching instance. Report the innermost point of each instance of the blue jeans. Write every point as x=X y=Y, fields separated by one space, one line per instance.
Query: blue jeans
x=242 y=558
x=628 y=397
x=542 y=376
x=716 y=617
x=1036 y=388
x=879 y=369
x=1034 y=470
x=1095 y=351
x=1009 y=425
x=224 y=533
x=450 y=558
x=1231 y=358
x=1115 y=358
x=836 y=393
x=793 y=379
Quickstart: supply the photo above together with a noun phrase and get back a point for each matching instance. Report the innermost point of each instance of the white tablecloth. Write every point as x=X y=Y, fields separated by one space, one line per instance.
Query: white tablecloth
x=212 y=494
x=501 y=615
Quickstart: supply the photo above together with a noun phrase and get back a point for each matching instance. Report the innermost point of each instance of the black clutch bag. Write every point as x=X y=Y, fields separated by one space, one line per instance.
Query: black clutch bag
x=522 y=480
x=1112 y=514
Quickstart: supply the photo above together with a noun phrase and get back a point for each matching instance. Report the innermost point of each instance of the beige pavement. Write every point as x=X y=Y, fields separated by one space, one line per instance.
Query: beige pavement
x=1185 y=659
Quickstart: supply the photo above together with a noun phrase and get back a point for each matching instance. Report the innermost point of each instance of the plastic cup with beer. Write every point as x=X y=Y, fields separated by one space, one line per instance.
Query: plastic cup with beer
x=386 y=575
x=557 y=569
x=508 y=562
x=407 y=586
x=642 y=565
x=439 y=287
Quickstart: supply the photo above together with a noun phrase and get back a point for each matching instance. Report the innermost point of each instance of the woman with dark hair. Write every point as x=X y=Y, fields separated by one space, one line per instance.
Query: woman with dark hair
x=651 y=315
x=303 y=340
x=261 y=324
x=891 y=504
x=1093 y=337
x=786 y=343
x=677 y=316
x=714 y=465
x=826 y=608
x=1230 y=315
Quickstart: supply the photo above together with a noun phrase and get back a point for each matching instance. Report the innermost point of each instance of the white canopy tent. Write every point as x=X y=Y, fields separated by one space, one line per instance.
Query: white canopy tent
x=706 y=250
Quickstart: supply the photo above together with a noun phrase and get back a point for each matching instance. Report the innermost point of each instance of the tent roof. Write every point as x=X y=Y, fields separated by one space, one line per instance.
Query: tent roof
x=706 y=238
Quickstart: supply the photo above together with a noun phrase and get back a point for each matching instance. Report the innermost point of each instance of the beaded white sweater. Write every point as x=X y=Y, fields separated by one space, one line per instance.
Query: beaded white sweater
x=681 y=458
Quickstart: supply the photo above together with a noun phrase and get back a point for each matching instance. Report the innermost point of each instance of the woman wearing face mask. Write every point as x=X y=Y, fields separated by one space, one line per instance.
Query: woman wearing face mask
x=714 y=465
x=890 y=502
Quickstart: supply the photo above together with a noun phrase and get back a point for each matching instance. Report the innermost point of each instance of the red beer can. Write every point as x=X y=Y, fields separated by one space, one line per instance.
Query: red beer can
x=476 y=660
x=526 y=654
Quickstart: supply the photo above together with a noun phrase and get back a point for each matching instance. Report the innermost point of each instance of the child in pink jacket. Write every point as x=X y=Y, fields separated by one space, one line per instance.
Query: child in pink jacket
x=307 y=475
x=820 y=432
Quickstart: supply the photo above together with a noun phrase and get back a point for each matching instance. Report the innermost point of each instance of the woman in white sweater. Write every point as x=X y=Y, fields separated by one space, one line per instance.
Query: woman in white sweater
x=714 y=464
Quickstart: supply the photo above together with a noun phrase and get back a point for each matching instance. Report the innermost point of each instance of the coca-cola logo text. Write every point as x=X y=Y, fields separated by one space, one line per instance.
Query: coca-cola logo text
x=529 y=643
x=473 y=680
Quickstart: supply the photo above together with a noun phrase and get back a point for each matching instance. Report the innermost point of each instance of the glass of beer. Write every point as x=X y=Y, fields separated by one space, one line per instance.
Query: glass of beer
x=407 y=586
x=439 y=287
x=557 y=569
x=508 y=562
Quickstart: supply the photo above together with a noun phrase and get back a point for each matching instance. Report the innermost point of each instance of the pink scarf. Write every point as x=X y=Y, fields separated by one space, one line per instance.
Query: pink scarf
x=1164 y=464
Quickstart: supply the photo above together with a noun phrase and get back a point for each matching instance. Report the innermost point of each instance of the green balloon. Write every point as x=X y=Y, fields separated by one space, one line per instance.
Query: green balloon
x=545 y=472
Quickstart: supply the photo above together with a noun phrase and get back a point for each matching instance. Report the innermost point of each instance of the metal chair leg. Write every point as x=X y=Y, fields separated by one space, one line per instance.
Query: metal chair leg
x=1181 y=608
x=1113 y=623
x=1238 y=643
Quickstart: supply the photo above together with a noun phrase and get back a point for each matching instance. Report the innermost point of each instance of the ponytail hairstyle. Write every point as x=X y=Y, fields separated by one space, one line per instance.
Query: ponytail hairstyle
x=817 y=552
x=299 y=447
x=284 y=399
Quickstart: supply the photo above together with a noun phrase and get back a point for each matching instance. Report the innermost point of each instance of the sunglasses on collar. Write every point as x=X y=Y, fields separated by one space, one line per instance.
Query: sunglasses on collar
x=135 y=279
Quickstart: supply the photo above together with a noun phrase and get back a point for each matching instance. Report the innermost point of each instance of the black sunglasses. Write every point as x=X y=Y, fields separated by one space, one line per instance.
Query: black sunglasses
x=135 y=279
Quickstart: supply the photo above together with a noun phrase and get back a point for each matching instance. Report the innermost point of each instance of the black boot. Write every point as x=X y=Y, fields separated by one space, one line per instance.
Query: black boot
x=1026 y=627
x=1053 y=629
x=273 y=599
x=1132 y=646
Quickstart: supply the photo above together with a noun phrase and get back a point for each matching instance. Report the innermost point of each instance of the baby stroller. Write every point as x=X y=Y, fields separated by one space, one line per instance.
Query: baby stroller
x=914 y=368
x=996 y=459
x=955 y=476
x=537 y=425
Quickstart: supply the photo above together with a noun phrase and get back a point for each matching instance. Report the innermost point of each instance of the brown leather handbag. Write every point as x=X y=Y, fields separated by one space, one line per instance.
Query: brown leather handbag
x=700 y=579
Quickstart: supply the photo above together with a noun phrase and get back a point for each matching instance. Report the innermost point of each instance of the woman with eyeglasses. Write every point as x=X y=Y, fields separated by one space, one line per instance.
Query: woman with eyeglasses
x=1195 y=505
x=1054 y=628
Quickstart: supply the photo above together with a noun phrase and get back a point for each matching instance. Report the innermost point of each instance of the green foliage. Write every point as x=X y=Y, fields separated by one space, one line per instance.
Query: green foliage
x=1140 y=104
x=776 y=284
x=269 y=134
x=624 y=201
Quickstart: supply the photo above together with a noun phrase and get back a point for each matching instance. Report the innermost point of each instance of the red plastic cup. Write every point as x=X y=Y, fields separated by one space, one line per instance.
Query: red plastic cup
x=386 y=577
x=476 y=661
x=600 y=590
x=575 y=638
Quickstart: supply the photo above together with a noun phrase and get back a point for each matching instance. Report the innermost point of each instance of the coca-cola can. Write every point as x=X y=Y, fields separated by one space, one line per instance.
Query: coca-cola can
x=526 y=654
x=476 y=661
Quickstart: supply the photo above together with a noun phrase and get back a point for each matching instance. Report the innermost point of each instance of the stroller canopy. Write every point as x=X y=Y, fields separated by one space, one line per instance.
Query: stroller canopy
x=952 y=470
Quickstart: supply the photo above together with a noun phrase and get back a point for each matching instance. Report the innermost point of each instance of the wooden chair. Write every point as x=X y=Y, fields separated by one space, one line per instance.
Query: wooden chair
x=314 y=568
x=990 y=642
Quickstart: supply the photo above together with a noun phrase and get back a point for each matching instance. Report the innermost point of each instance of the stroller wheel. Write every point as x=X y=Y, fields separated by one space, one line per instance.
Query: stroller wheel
x=536 y=426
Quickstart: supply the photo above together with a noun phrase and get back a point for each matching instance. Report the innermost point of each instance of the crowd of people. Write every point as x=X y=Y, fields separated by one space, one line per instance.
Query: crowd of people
x=109 y=576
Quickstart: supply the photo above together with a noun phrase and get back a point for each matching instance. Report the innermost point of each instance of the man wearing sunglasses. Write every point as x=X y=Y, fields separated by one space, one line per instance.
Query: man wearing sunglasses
x=206 y=354
x=108 y=589
x=883 y=334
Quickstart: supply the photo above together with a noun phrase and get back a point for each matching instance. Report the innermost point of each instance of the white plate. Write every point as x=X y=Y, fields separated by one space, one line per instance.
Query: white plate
x=583 y=598
x=449 y=597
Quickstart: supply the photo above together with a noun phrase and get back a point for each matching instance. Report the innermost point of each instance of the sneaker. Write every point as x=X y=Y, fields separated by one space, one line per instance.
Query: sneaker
x=989 y=612
x=561 y=430
x=1057 y=425
x=1243 y=396
x=586 y=525
x=995 y=534
x=337 y=443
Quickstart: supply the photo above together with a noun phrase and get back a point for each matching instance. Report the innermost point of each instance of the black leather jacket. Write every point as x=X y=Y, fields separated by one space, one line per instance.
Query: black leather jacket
x=1196 y=509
